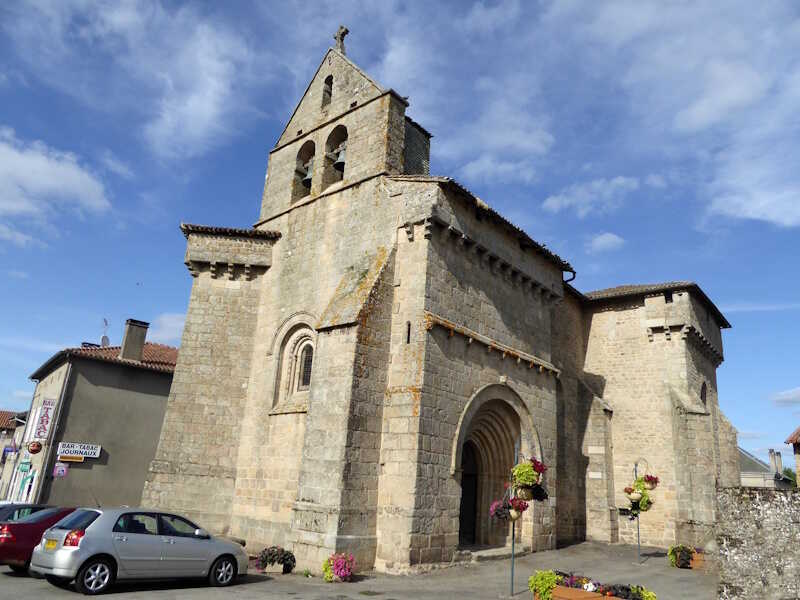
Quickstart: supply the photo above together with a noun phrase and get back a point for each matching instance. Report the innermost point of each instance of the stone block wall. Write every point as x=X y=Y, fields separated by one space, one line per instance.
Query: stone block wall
x=194 y=469
x=757 y=535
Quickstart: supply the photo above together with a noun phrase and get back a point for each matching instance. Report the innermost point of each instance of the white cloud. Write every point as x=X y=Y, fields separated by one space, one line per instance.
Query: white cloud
x=787 y=397
x=115 y=165
x=38 y=182
x=596 y=196
x=655 y=180
x=604 y=242
x=18 y=274
x=183 y=71
x=750 y=435
x=21 y=394
x=32 y=345
x=168 y=328
x=13 y=236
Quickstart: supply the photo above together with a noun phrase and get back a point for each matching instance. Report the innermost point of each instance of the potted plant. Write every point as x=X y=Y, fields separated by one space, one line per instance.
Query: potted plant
x=632 y=494
x=517 y=506
x=680 y=556
x=650 y=482
x=526 y=475
x=499 y=509
x=339 y=567
x=277 y=555
x=542 y=583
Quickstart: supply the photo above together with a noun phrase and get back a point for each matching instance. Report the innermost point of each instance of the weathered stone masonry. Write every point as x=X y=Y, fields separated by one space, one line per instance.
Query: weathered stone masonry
x=358 y=370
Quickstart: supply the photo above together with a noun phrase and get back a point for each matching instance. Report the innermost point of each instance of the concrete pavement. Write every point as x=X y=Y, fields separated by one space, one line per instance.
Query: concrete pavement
x=486 y=581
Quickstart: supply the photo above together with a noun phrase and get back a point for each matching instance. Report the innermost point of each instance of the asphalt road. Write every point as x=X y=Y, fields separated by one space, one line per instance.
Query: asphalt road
x=486 y=580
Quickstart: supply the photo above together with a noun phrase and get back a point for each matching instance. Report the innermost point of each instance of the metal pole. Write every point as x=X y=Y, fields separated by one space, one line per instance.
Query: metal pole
x=638 y=537
x=513 y=524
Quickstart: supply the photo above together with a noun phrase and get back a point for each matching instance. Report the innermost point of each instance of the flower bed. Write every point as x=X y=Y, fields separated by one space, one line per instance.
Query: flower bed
x=556 y=585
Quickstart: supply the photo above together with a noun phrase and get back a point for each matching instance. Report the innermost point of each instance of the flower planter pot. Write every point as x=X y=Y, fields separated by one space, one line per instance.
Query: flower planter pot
x=698 y=561
x=634 y=496
x=565 y=593
x=514 y=514
x=524 y=493
x=650 y=486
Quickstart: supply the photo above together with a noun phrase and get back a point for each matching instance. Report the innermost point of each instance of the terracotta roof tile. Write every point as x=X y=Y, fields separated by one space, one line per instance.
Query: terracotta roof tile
x=794 y=438
x=155 y=357
x=7 y=419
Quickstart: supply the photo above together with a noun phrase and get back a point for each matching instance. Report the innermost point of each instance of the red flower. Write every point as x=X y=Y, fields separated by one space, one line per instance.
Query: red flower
x=538 y=466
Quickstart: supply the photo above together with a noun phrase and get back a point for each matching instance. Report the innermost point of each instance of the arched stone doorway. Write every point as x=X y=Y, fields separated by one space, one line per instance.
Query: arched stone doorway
x=494 y=425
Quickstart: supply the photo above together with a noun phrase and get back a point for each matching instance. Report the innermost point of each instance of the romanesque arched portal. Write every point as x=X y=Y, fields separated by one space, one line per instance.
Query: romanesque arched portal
x=494 y=421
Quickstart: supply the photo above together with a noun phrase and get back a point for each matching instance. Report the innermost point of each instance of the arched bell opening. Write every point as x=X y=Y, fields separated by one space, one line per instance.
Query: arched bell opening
x=335 y=156
x=486 y=457
x=303 y=171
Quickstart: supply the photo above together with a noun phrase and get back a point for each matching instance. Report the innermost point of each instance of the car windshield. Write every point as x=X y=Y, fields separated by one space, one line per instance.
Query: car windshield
x=80 y=519
x=40 y=516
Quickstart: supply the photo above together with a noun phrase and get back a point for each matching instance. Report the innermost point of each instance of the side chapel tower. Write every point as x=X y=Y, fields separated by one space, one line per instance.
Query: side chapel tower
x=358 y=371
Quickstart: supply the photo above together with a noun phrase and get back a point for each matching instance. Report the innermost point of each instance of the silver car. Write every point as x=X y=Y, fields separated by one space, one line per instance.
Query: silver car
x=97 y=546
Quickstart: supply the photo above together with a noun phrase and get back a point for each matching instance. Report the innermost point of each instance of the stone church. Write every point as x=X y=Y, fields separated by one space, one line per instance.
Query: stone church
x=359 y=369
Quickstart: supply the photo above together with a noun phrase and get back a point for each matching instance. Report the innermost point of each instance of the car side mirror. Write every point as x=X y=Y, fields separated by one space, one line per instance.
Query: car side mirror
x=201 y=534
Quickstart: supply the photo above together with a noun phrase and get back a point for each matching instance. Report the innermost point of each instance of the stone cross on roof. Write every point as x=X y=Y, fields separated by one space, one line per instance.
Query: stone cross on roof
x=339 y=37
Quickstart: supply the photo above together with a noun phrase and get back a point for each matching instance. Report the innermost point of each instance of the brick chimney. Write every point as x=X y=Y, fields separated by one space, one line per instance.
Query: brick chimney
x=133 y=339
x=772 y=462
x=778 y=463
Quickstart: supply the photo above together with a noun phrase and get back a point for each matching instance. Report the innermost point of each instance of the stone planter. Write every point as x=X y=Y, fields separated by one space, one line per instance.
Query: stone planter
x=524 y=493
x=698 y=561
x=565 y=593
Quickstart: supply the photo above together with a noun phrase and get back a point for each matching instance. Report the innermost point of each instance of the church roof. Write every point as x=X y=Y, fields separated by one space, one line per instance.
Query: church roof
x=794 y=438
x=155 y=357
x=7 y=419
x=627 y=291
x=489 y=212
x=263 y=234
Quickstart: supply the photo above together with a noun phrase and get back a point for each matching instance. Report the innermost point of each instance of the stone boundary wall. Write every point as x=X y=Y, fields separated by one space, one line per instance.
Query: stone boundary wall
x=758 y=534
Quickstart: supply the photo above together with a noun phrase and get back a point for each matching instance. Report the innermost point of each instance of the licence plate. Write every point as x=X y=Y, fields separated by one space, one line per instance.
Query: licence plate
x=50 y=544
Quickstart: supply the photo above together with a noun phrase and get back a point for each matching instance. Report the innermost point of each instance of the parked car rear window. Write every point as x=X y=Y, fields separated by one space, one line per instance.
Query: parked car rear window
x=24 y=511
x=80 y=519
x=40 y=516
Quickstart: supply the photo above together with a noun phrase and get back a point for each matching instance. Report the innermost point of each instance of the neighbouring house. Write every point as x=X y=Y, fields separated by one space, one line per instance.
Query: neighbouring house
x=359 y=368
x=794 y=441
x=756 y=473
x=12 y=425
x=95 y=421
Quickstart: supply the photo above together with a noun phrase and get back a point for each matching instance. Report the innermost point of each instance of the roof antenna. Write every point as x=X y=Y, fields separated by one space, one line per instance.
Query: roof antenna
x=104 y=340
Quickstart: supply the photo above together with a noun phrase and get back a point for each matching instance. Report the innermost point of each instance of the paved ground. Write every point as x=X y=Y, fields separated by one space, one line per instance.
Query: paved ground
x=487 y=580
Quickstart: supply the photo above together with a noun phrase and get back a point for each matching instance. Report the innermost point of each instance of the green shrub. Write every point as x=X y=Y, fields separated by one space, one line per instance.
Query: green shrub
x=542 y=584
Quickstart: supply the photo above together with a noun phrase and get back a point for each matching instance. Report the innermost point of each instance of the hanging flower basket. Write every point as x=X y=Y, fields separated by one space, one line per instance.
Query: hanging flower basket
x=650 y=482
x=524 y=492
x=633 y=495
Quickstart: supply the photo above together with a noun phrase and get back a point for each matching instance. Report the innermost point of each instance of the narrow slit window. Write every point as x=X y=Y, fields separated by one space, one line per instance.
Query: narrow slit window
x=668 y=297
x=327 y=91
x=704 y=394
x=306 y=359
x=408 y=332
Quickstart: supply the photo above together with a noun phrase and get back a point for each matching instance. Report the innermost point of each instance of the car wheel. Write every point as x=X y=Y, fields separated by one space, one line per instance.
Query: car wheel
x=223 y=572
x=19 y=569
x=59 y=582
x=95 y=577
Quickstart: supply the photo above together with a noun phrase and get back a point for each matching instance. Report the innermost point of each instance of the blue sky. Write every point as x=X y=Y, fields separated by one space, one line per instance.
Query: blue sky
x=642 y=141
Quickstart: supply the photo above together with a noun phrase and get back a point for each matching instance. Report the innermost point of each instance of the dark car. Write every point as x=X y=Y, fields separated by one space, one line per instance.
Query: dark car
x=14 y=512
x=18 y=538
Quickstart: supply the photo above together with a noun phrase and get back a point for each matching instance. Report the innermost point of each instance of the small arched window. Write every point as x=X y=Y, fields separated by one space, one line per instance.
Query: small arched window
x=704 y=393
x=335 y=156
x=327 y=91
x=306 y=360
x=303 y=171
x=294 y=370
